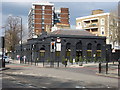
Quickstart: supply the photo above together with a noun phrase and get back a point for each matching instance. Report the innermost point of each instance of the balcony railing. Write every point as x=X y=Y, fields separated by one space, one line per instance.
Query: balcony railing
x=92 y=25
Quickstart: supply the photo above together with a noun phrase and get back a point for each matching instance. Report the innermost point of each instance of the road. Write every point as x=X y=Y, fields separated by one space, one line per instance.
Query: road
x=27 y=76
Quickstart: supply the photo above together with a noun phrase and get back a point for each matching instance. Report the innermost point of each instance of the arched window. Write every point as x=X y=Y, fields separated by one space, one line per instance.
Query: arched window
x=78 y=51
x=68 y=46
x=98 y=52
x=89 y=50
x=42 y=52
x=89 y=46
x=98 y=46
x=79 y=46
x=102 y=21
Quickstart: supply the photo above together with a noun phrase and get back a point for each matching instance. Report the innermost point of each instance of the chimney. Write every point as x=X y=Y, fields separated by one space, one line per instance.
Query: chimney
x=98 y=11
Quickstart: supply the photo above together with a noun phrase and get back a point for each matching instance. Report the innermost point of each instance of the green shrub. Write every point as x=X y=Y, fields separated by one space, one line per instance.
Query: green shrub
x=48 y=60
x=89 y=60
x=76 y=59
x=81 y=59
x=71 y=61
x=64 y=59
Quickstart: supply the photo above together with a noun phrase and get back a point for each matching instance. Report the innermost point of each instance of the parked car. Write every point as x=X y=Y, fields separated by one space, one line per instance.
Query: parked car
x=7 y=59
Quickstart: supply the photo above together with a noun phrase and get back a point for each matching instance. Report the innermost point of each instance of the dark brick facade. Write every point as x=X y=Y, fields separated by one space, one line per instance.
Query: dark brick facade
x=74 y=44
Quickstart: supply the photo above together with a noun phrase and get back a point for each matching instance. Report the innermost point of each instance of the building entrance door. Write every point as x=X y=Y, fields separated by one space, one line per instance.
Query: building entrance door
x=42 y=54
x=78 y=55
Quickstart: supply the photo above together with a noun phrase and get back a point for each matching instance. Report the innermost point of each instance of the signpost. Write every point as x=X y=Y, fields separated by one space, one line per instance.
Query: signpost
x=58 y=47
x=3 y=44
x=52 y=47
x=55 y=46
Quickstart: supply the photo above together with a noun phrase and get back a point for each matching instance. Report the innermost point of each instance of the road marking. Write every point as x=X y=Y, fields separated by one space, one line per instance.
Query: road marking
x=47 y=83
x=69 y=78
x=44 y=87
x=79 y=87
x=21 y=72
x=54 y=76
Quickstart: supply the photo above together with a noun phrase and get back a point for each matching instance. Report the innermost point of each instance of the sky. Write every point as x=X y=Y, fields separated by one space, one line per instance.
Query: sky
x=77 y=9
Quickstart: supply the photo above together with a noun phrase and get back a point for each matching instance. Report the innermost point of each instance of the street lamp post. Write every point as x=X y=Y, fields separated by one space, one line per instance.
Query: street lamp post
x=21 y=39
x=3 y=48
x=3 y=60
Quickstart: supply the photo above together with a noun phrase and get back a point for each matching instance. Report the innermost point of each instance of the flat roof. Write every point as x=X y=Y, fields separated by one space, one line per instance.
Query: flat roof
x=77 y=32
x=43 y=3
x=90 y=16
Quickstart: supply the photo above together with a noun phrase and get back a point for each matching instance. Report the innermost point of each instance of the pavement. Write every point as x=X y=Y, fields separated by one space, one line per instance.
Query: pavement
x=112 y=71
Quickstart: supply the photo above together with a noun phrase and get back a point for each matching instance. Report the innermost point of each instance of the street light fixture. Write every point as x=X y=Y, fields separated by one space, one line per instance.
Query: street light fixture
x=21 y=39
x=3 y=48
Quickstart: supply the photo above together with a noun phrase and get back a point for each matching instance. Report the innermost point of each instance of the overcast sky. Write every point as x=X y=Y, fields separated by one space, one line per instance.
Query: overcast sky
x=77 y=9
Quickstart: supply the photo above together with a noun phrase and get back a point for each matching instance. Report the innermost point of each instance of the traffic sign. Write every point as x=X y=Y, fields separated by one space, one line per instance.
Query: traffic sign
x=52 y=44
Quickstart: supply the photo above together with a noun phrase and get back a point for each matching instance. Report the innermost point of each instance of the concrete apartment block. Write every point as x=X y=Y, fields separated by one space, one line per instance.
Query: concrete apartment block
x=42 y=17
x=97 y=24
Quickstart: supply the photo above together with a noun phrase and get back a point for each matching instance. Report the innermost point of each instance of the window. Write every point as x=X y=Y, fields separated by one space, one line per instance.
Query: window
x=43 y=12
x=89 y=53
x=68 y=53
x=43 y=17
x=43 y=7
x=58 y=15
x=79 y=46
x=84 y=24
x=89 y=46
x=102 y=21
x=42 y=54
x=98 y=46
x=102 y=30
x=98 y=53
x=89 y=50
x=68 y=45
x=79 y=24
x=57 y=53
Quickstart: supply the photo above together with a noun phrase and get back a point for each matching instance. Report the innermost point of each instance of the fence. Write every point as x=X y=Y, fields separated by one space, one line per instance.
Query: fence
x=110 y=68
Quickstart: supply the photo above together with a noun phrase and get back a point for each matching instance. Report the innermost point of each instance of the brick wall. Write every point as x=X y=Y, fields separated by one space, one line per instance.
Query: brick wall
x=64 y=16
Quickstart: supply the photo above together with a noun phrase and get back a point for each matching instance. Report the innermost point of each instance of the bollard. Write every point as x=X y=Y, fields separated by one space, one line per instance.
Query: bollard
x=119 y=68
x=43 y=63
x=106 y=67
x=58 y=63
x=99 y=67
x=35 y=62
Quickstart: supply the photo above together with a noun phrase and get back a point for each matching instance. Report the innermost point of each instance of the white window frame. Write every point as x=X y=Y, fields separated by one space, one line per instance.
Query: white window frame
x=102 y=30
x=102 y=21
x=43 y=7
x=79 y=23
x=84 y=24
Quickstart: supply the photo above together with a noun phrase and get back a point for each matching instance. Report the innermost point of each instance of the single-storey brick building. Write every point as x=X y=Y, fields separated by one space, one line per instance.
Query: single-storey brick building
x=65 y=43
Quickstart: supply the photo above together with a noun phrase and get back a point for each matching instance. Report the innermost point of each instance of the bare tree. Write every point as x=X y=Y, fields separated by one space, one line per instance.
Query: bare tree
x=12 y=32
x=114 y=30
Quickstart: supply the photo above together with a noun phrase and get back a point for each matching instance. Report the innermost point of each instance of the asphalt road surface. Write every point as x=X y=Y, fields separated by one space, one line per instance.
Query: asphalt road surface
x=23 y=76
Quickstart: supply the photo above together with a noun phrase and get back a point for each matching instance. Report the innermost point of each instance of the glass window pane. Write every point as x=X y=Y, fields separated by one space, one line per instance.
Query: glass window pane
x=98 y=54
x=42 y=54
x=57 y=53
x=89 y=53
x=67 y=53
